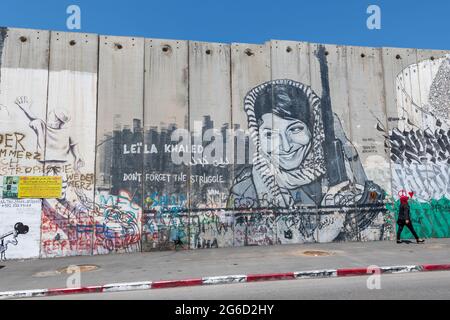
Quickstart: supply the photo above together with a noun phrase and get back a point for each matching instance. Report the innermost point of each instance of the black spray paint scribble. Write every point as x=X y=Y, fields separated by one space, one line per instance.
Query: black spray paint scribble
x=419 y=146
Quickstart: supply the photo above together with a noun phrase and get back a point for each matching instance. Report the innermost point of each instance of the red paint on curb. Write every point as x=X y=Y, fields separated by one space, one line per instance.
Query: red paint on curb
x=270 y=276
x=435 y=267
x=176 y=283
x=199 y=281
x=55 y=292
x=351 y=272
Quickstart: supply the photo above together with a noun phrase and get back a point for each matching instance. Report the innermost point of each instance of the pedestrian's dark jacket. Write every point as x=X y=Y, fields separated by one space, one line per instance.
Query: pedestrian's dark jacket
x=403 y=213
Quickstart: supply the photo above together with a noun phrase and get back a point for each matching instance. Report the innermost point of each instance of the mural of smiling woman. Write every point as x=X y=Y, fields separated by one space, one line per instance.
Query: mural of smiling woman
x=289 y=170
x=285 y=124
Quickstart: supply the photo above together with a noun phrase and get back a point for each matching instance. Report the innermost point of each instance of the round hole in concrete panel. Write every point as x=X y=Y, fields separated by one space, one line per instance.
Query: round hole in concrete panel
x=23 y=39
x=166 y=48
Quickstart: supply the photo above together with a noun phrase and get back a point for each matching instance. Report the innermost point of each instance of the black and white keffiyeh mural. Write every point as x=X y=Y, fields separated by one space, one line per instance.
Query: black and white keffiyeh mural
x=289 y=171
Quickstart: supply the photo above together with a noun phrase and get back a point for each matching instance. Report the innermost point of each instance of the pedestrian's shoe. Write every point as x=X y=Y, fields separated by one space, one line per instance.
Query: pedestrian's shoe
x=399 y=241
x=420 y=241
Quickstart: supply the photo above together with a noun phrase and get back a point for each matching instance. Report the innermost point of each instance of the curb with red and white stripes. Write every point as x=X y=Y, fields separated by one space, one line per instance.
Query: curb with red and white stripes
x=146 y=285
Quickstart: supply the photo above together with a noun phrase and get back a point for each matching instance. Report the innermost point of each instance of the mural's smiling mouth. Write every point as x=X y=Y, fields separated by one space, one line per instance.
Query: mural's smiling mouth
x=288 y=156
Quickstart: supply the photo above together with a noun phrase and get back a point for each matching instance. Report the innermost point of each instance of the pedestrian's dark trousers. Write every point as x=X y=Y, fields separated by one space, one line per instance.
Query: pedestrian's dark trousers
x=401 y=224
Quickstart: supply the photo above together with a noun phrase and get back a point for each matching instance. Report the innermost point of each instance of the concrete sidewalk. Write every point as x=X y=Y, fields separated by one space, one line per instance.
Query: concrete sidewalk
x=171 y=265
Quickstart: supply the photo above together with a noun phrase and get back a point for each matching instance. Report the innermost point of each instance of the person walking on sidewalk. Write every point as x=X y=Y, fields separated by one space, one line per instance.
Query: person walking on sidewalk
x=404 y=219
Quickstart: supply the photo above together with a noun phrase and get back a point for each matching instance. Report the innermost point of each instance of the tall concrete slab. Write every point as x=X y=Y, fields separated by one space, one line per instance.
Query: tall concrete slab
x=342 y=167
x=23 y=100
x=407 y=119
x=367 y=105
x=250 y=67
x=367 y=109
x=396 y=62
x=290 y=60
x=166 y=112
x=70 y=126
x=119 y=176
x=209 y=121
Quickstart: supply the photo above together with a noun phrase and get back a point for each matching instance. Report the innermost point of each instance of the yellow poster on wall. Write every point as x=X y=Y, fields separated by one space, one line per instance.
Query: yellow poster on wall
x=40 y=187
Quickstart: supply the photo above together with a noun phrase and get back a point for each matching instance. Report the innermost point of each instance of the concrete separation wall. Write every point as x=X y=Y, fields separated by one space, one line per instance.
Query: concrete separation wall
x=164 y=144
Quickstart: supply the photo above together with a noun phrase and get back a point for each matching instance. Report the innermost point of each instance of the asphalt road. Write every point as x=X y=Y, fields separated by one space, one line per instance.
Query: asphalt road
x=423 y=285
x=188 y=264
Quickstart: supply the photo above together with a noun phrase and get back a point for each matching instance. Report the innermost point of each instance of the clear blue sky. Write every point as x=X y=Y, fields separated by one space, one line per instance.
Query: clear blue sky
x=405 y=23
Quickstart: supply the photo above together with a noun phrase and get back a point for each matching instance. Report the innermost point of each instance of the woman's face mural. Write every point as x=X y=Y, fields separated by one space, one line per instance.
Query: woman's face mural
x=284 y=142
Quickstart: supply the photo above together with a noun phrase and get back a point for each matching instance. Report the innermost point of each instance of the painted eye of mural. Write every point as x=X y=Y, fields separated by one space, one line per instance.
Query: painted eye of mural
x=296 y=129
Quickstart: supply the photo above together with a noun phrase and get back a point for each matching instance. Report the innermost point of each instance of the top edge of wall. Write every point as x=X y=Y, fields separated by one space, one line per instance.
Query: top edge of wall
x=23 y=29
x=232 y=43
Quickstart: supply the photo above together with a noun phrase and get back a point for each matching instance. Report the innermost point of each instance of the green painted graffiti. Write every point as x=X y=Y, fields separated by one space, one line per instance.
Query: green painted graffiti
x=430 y=219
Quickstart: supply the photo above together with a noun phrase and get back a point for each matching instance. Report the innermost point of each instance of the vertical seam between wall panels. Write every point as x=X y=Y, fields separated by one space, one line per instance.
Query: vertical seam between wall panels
x=272 y=207
x=402 y=67
x=4 y=31
x=141 y=227
x=355 y=213
x=311 y=55
x=231 y=131
x=353 y=206
x=94 y=229
x=45 y=135
x=416 y=59
x=349 y=105
x=188 y=211
x=275 y=214
x=386 y=124
x=427 y=163
x=265 y=211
